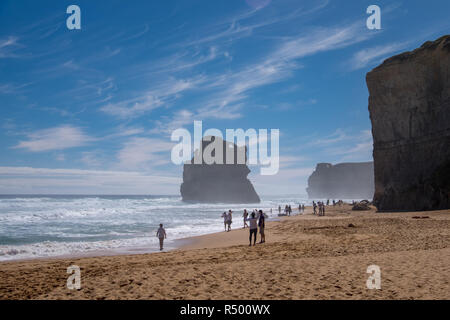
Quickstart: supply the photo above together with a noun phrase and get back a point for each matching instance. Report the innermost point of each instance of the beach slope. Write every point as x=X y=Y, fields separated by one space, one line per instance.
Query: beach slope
x=305 y=257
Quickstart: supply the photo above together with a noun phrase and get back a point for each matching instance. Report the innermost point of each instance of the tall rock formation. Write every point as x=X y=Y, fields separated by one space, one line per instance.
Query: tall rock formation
x=218 y=183
x=409 y=107
x=341 y=181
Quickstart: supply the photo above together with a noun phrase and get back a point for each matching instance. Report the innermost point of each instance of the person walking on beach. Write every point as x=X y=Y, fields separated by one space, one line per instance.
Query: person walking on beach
x=314 y=207
x=229 y=219
x=245 y=215
x=279 y=209
x=290 y=210
x=161 y=234
x=303 y=208
x=262 y=225
x=253 y=228
x=225 y=220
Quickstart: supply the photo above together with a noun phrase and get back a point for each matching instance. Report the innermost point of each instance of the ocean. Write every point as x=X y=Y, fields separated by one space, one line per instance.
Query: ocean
x=37 y=226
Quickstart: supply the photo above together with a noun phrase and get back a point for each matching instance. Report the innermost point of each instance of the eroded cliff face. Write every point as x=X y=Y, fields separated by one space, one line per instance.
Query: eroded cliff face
x=409 y=107
x=342 y=181
x=218 y=183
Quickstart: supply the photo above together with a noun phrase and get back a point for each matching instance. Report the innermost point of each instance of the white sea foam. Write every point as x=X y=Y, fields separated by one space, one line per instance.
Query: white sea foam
x=46 y=226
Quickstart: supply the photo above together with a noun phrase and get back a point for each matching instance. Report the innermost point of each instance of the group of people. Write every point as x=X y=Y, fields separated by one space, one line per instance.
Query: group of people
x=288 y=209
x=227 y=220
x=256 y=220
x=253 y=221
x=321 y=207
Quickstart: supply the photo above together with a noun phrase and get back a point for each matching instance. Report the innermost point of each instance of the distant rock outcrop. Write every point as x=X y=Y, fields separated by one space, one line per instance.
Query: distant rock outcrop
x=342 y=181
x=218 y=183
x=409 y=108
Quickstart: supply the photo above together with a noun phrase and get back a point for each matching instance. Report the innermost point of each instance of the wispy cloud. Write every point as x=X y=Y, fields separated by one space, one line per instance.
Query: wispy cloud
x=338 y=136
x=245 y=24
x=229 y=90
x=144 y=153
x=375 y=55
x=8 y=42
x=10 y=88
x=124 y=131
x=58 y=138
x=92 y=159
x=178 y=62
x=355 y=147
x=139 y=33
x=161 y=95
x=7 y=47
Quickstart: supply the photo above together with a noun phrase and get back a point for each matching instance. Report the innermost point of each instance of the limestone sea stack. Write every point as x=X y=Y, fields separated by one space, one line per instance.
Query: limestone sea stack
x=409 y=107
x=342 y=181
x=218 y=183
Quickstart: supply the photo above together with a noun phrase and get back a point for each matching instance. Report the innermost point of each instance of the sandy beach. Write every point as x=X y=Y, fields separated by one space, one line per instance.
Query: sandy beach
x=305 y=257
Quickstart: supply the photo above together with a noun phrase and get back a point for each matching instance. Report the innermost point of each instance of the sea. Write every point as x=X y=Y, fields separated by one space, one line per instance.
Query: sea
x=39 y=226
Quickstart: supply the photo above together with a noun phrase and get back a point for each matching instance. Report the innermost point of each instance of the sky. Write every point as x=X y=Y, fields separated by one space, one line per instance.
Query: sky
x=91 y=111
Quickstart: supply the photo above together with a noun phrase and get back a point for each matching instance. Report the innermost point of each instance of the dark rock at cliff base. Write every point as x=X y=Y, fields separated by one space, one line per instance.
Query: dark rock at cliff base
x=361 y=206
x=409 y=107
x=218 y=183
x=342 y=181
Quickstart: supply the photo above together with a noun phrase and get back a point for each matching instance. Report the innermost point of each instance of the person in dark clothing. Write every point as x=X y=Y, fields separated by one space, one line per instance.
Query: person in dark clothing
x=262 y=225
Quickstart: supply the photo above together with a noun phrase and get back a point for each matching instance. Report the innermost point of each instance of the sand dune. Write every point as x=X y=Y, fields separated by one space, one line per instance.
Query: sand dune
x=305 y=257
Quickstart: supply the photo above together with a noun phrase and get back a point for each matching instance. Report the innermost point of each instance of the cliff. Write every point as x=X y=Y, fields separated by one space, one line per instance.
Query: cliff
x=218 y=183
x=409 y=107
x=342 y=181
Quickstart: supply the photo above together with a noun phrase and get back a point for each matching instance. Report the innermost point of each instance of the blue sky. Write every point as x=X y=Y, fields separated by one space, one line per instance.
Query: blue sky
x=91 y=111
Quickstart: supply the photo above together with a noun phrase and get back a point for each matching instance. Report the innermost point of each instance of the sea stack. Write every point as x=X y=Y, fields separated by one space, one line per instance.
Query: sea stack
x=218 y=183
x=409 y=107
x=342 y=181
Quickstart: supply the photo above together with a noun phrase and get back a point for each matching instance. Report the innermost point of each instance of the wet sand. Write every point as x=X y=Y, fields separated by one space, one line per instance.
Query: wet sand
x=305 y=257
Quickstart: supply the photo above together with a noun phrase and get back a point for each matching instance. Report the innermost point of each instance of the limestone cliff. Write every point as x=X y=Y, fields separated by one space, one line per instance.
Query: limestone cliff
x=341 y=181
x=218 y=183
x=409 y=107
